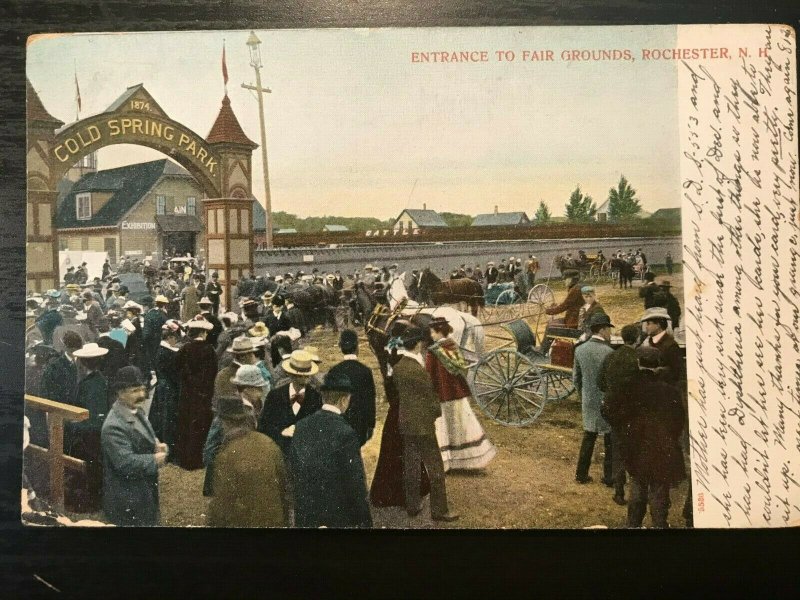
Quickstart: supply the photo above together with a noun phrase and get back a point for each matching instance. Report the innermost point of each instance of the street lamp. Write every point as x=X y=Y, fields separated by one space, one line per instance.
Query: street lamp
x=254 y=45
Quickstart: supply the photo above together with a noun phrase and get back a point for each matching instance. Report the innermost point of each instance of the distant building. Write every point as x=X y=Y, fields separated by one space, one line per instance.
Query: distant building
x=334 y=228
x=602 y=215
x=286 y=231
x=414 y=219
x=144 y=209
x=498 y=219
x=667 y=215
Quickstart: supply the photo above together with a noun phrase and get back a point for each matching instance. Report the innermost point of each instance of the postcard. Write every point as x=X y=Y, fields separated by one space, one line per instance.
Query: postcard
x=495 y=277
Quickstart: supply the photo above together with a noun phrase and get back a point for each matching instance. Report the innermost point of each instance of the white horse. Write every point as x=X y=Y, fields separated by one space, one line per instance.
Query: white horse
x=467 y=330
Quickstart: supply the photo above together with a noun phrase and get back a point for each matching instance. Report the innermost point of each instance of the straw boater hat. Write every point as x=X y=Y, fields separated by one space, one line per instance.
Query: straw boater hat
x=160 y=299
x=231 y=316
x=241 y=345
x=199 y=322
x=250 y=376
x=204 y=300
x=300 y=363
x=267 y=296
x=258 y=330
x=90 y=350
x=73 y=287
x=314 y=352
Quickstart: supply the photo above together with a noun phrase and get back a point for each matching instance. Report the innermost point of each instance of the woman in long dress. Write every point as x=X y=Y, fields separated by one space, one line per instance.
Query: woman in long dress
x=462 y=441
x=387 y=483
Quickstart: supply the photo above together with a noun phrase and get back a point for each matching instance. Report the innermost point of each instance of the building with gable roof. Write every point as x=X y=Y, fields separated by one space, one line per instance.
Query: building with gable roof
x=145 y=209
x=416 y=220
x=498 y=219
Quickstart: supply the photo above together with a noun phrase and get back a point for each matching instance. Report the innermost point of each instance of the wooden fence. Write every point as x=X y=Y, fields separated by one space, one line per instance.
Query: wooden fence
x=53 y=456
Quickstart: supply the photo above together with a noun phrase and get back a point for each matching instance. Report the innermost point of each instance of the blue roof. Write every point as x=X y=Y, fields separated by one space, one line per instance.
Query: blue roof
x=259 y=217
x=499 y=219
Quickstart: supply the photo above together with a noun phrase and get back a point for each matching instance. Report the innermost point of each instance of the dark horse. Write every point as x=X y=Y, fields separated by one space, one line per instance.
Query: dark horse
x=318 y=304
x=451 y=291
x=625 y=271
x=375 y=326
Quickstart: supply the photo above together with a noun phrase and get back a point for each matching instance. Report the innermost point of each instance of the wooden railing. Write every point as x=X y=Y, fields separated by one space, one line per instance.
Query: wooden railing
x=57 y=413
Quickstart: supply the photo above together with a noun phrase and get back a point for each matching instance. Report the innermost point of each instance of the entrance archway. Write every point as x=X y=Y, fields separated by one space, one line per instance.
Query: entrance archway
x=221 y=163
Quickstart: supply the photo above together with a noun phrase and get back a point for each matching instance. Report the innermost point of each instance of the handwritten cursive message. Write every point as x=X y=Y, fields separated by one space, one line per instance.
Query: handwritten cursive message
x=741 y=232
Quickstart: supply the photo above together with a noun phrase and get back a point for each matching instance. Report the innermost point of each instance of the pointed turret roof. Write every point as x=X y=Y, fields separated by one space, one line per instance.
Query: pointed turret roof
x=36 y=110
x=226 y=128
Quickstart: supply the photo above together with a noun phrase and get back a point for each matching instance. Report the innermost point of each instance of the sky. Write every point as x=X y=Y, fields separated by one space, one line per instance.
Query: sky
x=354 y=128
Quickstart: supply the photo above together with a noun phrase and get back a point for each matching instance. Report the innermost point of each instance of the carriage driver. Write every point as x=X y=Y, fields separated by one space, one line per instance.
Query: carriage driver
x=571 y=306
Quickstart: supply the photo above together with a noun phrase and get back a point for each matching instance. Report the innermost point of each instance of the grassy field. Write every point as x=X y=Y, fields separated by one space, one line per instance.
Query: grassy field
x=529 y=484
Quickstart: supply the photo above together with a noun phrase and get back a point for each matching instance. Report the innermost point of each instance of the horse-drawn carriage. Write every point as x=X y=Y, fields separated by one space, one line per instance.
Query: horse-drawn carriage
x=592 y=267
x=513 y=383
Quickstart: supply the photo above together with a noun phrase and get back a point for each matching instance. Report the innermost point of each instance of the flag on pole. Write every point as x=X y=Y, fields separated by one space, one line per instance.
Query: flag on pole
x=77 y=93
x=224 y=68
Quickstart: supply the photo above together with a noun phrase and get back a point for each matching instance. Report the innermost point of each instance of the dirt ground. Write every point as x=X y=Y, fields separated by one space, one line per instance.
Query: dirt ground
x=529 y=484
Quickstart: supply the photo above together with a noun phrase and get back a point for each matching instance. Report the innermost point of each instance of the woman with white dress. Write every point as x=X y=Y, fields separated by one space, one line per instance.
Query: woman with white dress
x=461 y=438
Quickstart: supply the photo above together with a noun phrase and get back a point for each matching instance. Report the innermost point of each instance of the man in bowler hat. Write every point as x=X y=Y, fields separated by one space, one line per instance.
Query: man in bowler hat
x=361 y=412
x=132 y=455
x=330 y=487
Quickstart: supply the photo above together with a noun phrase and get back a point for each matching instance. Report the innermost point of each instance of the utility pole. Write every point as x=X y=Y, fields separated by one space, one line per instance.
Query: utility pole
x=255 y=61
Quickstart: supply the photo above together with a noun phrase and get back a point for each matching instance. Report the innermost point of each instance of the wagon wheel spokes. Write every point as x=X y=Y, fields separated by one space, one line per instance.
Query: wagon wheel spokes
x=502 y=385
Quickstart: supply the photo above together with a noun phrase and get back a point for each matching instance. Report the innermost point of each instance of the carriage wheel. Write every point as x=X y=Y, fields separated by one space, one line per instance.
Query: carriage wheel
x=594 y=273
x=554 y=384
x=509 y=306
x=504 y=384
x=541 y=294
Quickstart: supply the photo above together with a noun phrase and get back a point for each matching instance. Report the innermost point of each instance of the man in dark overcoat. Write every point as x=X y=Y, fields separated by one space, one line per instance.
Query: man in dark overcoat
x=154 y=320
x=330 y=487
x=206 y=309
x=276 y=320
x=671 y=370
x=651 y=412
x=360 y=413
x=196 y=362
x=419 y=409
x=50 y=319
x=619 y=369
x=214 y=292
x=132 y=455
x=82 y=438
x=60 y=377
x=289 y=403
x=116 y=357
x=649 y=290
x=670 y=302
x=294 y=315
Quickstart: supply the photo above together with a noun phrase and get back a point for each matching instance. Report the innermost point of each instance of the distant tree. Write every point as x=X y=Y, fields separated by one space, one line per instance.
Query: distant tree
x=622 y=201
x=456 y=219
x=542 y=213
x=580 y=208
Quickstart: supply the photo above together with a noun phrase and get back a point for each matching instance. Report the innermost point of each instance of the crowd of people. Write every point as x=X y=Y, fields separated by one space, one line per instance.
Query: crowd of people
x=241 y=395
x=634 y=396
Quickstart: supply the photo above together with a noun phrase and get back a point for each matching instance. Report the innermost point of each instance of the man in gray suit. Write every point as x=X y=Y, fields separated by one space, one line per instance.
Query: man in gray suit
x=589 y=359
x=132 y=455
x=419 y=409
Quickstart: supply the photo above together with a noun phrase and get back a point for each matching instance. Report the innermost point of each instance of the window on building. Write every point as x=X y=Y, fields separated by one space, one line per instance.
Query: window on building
x=83 y=207
x=161 y=205
x=191 y=206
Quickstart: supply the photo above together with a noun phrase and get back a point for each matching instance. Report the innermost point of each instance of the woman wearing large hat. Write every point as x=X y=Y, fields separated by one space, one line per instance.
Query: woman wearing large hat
x=83 y=437
x=461 y=438
x=197 y=368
